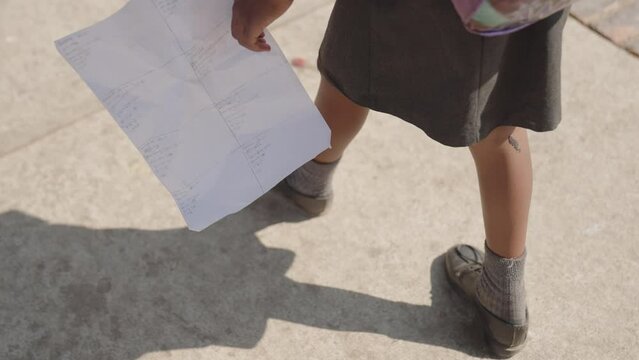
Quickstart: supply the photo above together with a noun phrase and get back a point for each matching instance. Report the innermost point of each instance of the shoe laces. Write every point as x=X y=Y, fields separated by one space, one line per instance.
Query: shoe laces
x=473 y=268
x=474 y=265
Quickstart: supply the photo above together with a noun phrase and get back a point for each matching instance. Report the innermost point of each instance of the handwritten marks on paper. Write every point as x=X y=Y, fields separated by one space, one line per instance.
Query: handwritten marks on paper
x=218 y=125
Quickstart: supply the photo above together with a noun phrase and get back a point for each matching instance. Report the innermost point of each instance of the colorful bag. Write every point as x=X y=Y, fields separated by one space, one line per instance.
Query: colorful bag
x=498 y=17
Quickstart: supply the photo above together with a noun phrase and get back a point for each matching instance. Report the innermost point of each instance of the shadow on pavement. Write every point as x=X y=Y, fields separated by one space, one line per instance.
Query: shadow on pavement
x=78 y=293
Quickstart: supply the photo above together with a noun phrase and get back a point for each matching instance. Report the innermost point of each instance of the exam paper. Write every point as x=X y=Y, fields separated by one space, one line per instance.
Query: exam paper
x=219 y=125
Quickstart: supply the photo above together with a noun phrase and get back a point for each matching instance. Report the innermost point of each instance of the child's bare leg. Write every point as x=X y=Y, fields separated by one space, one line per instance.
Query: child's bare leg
x=313 y=179
x=504 y=171
x=344 y=117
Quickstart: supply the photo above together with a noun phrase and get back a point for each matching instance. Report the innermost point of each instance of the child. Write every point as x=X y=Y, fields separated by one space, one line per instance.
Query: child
x=415 y=60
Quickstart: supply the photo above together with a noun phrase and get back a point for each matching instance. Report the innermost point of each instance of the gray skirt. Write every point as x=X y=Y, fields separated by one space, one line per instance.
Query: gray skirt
x=415 y=60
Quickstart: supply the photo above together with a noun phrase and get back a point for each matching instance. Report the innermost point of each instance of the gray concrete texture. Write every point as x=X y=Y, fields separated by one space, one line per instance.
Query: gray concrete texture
x=95 y=262
x=617 y=20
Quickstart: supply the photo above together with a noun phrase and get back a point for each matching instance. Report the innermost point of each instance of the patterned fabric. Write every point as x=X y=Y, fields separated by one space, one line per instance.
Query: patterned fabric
x=313 y=179
x=501 y=289
x=498 y=17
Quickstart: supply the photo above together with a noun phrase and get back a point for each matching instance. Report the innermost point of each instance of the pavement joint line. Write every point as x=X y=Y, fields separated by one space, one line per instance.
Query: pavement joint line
x=306 y=13
x=608 y=11
x=91 y=113
x=49 y=133
x=591 y=27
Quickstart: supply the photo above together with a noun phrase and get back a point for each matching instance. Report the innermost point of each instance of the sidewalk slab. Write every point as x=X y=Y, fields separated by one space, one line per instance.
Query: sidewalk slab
x=39 y=92
x=100 y=266
x=617 y=20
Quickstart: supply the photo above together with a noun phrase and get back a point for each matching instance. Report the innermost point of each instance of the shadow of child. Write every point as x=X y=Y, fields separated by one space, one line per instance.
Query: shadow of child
x=75 y=292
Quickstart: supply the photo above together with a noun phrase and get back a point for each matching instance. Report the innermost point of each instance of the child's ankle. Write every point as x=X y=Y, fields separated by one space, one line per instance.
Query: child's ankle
x=313 y=178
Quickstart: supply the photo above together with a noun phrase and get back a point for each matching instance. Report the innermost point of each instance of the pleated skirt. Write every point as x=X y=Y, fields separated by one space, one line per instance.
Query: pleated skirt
x=415 y=60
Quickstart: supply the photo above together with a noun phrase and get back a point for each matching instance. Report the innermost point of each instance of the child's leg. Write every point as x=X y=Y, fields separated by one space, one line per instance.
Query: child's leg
x=344 y=117
x=312 y=181
x=504 y=171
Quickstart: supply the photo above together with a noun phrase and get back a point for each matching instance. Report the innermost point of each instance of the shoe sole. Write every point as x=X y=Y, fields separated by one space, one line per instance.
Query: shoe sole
x=312 y=206
x=498 y=349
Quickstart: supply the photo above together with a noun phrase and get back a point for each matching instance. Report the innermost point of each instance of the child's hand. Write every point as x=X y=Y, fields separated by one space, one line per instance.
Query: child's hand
x=251 y=17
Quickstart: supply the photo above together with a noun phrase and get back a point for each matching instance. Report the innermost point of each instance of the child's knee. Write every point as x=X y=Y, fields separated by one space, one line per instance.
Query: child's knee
x=500 y=135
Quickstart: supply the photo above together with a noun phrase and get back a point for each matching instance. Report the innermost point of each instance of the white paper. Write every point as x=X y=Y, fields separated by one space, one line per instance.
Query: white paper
x=218 y=124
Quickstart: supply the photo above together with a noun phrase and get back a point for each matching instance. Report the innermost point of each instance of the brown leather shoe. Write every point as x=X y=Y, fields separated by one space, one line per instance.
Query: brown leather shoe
x=464 y=264
x=312 y=206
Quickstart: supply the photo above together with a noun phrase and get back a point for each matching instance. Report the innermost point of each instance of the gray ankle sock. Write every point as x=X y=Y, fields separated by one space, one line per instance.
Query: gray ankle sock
x=313 y=178
x=500 y=289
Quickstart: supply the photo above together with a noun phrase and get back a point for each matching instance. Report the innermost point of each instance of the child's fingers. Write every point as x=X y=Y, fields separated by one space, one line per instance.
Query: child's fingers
x=246 y=35
x=264 y=46
x=255 y=38
x=261 y=41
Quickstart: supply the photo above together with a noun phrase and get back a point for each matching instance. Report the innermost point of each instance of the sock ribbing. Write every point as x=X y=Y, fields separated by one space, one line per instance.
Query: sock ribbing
x=313 y=178
x=501 y=289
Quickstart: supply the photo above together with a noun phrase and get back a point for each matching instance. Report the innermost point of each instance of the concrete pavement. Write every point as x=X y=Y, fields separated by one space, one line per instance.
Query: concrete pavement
x=617 y=20
x=95 y=262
